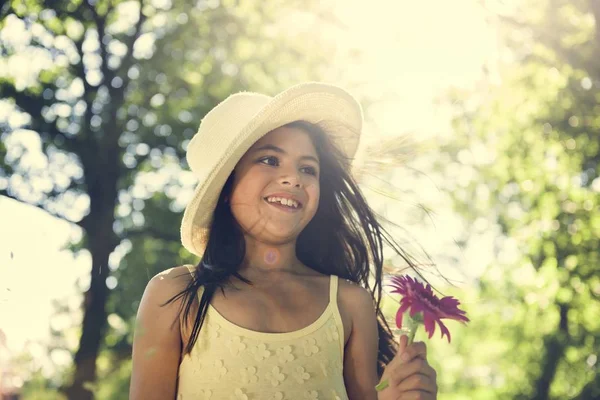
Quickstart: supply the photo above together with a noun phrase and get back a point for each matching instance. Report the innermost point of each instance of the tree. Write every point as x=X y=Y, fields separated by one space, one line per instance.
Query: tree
x=527 y=152
x=117 y=90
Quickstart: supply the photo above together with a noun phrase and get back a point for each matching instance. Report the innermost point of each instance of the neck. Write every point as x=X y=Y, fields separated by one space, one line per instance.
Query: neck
x=269 y=258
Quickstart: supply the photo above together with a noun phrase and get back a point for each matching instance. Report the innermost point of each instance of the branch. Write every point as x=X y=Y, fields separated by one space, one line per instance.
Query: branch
x=595 y=6
x=5 y=9
x=573 y=55
x=41 y=207
x=149 y=231
x=78 y=69
x=128 y=58
x=113 y=129
x=100 y=26
x=62 y=9
x=591 y=390
x=88 y=145
x=33 y=106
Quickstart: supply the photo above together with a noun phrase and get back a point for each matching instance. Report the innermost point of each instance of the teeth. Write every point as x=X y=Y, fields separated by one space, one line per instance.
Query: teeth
x=285 y=202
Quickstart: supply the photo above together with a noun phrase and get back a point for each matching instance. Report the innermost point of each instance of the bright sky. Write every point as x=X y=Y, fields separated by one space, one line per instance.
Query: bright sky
x=413 y=50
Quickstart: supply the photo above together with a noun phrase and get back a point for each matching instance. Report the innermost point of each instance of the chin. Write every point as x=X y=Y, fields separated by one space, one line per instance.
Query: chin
x=280 y=237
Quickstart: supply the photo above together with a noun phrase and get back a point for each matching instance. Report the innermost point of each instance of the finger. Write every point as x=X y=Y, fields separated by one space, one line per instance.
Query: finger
x=420 y=382
x=417 y=395
x=396 y=360
x=416 y=366
x=417 y=349
x=403 y=343
x=406 y=354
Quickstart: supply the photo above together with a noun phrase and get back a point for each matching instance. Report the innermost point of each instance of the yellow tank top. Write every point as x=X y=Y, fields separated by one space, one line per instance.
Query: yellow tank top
x=229 y=362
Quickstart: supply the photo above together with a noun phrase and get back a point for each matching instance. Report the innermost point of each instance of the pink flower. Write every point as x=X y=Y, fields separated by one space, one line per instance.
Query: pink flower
x=420 y=299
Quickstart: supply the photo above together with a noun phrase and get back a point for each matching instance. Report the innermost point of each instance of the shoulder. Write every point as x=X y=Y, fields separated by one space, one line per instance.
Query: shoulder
x=168 y=282
x=173 y=275
x=356 y=305
x=355 y=297
x=354 y=293
x=160 y=296
x=157 y=339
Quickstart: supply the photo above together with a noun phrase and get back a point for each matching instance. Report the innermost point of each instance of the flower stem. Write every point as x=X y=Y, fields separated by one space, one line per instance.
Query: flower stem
x=382 y=385
x=411 y=336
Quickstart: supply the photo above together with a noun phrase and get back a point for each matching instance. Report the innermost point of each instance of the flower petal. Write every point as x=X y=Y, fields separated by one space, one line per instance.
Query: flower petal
x=418 y=298
x=444 y=330
x=429 y=322
x=399 y=318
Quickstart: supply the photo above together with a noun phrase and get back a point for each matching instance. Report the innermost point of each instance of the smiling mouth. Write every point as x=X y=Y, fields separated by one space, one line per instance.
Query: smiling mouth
x=282 y=206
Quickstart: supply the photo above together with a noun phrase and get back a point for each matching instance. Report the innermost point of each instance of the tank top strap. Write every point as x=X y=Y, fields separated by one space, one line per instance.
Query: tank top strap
x=191 y=270
x=337 y=317
x=333 y=288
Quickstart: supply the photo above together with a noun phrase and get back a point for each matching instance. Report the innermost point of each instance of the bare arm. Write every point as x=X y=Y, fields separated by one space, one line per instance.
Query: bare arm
x=157 y=340
x=410 y=379
x=360 y=355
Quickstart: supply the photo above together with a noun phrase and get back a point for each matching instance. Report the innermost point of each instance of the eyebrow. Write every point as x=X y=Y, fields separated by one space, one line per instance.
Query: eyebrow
x=281 y=151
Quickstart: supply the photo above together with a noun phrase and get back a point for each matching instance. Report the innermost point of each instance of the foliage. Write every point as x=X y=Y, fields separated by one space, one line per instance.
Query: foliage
x=107 y=94
x=526 y=152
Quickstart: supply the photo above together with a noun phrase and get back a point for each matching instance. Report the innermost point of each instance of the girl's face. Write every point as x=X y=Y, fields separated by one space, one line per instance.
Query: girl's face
x=282 y=164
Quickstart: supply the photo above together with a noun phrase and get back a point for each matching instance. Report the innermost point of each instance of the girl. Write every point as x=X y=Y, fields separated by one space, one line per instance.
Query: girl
x=277 y=219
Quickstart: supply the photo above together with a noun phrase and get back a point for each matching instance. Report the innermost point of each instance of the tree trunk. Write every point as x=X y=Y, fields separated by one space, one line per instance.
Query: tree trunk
x=94 y=323
x=102 y=240
x=555 y=349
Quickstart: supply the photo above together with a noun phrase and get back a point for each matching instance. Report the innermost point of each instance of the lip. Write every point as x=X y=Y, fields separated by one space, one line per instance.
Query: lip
x=282 y=207
x=288 y=196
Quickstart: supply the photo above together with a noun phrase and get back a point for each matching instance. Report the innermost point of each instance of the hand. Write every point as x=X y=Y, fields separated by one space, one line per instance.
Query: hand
x=410 y=376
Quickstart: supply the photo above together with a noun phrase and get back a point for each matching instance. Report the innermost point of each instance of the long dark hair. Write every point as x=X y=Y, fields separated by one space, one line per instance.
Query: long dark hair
x=344 y=238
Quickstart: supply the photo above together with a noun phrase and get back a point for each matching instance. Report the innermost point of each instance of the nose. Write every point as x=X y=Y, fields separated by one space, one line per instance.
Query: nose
x=290 y=179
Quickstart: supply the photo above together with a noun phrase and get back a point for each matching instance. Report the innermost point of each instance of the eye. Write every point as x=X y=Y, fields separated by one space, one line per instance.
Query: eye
x=270 y=160
x=310 y=170
x=273 y=161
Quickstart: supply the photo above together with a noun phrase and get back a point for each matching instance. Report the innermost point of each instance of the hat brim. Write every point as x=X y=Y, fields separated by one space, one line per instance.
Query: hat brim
x=330 y=107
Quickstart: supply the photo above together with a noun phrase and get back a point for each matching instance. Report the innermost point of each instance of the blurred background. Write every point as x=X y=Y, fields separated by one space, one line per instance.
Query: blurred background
x=481 y=147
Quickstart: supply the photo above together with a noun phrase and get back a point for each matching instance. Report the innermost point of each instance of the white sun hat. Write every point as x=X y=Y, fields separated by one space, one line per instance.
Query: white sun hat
x=235 y=124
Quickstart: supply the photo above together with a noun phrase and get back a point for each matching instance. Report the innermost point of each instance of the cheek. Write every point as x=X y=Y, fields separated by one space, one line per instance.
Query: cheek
x=314 y=193
x=247 y=186
x=240 y=194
